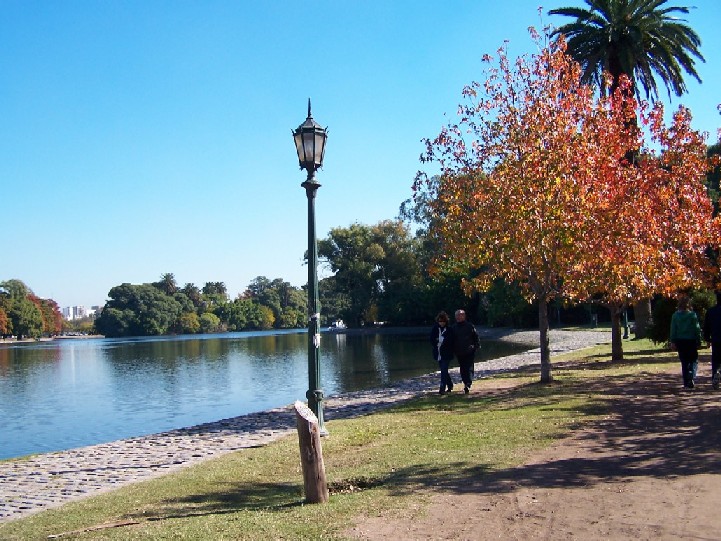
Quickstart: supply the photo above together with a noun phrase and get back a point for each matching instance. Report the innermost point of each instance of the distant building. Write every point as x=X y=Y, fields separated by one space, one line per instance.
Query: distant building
x=79 y=312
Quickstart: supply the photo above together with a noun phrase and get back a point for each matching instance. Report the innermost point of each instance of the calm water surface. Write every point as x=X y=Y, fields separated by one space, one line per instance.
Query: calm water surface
x=71 y=393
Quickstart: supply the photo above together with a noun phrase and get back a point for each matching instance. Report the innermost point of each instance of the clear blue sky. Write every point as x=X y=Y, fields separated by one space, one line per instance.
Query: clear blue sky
x=145 y=137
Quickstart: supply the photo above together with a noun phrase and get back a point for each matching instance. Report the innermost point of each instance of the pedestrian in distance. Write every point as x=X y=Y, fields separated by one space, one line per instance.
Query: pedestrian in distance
x=466 y=343
x=442 y=341
x=712 y=335
x=686 y=338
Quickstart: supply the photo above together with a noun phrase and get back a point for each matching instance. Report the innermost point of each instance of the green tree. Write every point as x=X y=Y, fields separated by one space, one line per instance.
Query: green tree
x=287 y=302
x=440 y=288
x=187 y=323
x=354 y=257
x=505 y=306
x=641 y=39
x=193 y=293
x=664 y=307
x=265 y=318
x=137 y=310
x=115 y=322
x=26 y=317
x=215 y=293
x=15 y=289
x=24 y=314
x=236 y=314
x=334 y=301
x=210 y=323
x=167 y=284
x=377 y=268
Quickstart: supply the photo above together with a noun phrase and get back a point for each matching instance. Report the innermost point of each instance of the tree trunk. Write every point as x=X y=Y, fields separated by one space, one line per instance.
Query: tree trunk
x=616 y=340
x=642 y=316
x=311 y=455
x=545 y=344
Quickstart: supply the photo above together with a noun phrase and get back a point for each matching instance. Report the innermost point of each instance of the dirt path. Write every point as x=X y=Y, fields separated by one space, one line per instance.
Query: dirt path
x=649 y=470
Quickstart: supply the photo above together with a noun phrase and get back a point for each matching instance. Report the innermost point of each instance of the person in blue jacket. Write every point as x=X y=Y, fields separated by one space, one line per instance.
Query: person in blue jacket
x=686 y=338
x=442 y=342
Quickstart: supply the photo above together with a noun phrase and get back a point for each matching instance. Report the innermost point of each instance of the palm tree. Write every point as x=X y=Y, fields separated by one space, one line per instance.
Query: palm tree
x=641 y=39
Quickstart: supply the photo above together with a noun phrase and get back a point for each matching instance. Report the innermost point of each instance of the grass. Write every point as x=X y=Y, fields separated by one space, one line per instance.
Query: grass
x=388 y=462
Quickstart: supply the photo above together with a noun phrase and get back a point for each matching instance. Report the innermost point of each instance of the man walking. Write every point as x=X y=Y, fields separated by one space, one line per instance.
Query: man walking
x=712 y=335
x=466 y=342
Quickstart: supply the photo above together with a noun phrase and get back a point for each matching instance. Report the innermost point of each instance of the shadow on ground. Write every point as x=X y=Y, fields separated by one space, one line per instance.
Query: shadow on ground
x=647 y=427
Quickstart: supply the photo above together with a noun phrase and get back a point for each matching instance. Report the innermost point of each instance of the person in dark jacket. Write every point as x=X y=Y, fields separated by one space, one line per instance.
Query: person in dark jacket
x=442 y=341
x=466 y=342
x=712 y=335
x=686 y=338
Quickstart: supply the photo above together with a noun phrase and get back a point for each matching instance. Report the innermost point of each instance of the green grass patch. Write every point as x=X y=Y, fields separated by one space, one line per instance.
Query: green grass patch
x=385 y=462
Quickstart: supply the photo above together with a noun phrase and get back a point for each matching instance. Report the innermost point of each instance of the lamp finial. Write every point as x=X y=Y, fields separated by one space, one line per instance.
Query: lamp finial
x=309 y=115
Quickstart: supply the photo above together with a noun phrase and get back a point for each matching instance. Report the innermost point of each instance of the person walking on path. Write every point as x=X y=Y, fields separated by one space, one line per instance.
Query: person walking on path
x=466 y=342
x=712 y=335
x=686 y=339
x=442 y=341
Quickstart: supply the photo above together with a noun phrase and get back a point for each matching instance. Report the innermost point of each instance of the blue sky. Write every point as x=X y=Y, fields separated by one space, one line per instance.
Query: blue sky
x=145 y=137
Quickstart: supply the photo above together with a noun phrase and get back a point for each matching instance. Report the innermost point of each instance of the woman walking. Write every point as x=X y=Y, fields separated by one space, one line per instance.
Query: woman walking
x=442 y=341
x=686 y=339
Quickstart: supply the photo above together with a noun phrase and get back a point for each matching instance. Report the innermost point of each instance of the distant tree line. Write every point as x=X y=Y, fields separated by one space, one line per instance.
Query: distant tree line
x=165 y=308
x=378 y=276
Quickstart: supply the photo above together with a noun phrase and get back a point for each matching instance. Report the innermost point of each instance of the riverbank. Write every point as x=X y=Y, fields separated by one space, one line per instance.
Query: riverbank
x=593 y=456
x=44 y=481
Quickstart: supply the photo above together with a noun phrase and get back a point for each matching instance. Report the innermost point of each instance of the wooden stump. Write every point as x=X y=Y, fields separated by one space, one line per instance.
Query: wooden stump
x=311 y=455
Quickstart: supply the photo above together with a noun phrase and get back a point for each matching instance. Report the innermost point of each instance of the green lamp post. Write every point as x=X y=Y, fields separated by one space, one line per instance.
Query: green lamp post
x=310 y=140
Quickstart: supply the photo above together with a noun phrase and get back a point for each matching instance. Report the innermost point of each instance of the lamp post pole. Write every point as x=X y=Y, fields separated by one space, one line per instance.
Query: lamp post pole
x=314 y=394
x=310 y=141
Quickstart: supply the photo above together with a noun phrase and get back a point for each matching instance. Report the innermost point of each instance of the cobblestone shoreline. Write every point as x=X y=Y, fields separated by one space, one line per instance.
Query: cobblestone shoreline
x=40 y=482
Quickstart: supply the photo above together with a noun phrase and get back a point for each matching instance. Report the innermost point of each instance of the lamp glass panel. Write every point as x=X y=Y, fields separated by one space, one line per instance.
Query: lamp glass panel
x=319 y=146
x=298 y=138
x=308 y=147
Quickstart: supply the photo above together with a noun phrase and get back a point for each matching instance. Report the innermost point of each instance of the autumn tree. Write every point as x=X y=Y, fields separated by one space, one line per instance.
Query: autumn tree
x=25 y=316
x=640 y=41
x=514 y=176
x=536 y=188
x=5 y=324
x=653 y=223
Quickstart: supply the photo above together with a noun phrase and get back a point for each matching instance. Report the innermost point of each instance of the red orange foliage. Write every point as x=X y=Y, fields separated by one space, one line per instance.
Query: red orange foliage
x=536 y=188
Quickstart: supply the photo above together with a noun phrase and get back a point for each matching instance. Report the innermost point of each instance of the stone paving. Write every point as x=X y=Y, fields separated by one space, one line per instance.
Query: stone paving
x=29 y=485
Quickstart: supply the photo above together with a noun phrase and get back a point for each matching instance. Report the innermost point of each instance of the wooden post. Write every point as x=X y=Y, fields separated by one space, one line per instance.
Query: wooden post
x=311 y=454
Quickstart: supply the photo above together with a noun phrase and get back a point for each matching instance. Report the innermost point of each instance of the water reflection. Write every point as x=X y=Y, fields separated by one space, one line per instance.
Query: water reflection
x=70 y=393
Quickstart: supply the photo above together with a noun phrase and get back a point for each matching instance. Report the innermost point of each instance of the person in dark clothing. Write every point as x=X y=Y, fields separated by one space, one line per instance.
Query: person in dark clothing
x=686 y=338
x=466 y=342
x=712 y=335
x=442 y=341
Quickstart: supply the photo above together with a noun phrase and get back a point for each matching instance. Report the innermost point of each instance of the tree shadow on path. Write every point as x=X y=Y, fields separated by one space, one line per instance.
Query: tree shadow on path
x=648 y=428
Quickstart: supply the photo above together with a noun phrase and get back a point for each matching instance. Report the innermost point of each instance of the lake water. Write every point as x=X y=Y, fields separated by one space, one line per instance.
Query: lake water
x=71 y=393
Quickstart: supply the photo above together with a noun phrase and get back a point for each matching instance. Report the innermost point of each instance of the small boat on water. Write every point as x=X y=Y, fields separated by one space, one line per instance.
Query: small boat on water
x=337 y=325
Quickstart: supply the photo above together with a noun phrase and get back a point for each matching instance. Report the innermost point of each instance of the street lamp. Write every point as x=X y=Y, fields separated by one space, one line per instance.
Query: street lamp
x=310 y=140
